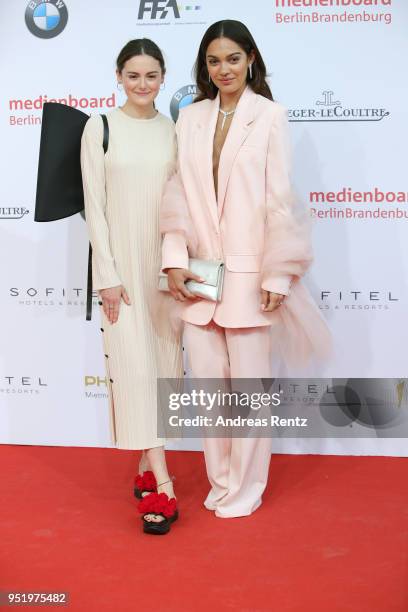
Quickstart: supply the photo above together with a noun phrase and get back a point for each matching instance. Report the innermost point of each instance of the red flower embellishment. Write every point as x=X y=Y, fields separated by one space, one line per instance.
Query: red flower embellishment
x=146 y=481
x=158 y=503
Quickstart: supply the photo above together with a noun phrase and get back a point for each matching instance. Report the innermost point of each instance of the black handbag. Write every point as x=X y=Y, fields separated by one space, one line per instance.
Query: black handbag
x=59 y=180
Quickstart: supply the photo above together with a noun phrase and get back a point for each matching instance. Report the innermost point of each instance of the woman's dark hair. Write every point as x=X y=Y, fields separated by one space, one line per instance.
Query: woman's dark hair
x=239 y=33
x=140 y=46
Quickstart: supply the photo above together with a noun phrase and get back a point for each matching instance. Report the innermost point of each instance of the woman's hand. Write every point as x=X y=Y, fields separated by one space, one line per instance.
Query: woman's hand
x=111 y=301
x=270 y=301
x=176 y=279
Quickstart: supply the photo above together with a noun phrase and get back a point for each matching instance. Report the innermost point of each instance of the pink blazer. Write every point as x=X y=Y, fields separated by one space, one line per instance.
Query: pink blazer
x=251 y=225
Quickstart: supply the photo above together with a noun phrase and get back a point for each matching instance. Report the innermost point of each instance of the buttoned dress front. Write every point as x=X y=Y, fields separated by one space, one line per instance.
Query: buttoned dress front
x=123 y=191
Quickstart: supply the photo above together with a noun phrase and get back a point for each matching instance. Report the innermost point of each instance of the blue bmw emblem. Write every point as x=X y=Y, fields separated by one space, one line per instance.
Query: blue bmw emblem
x=46 y=19
x=183 y=97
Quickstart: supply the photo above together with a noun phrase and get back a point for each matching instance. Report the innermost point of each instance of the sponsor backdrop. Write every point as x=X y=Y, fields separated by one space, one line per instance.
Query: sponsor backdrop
x=335 y=64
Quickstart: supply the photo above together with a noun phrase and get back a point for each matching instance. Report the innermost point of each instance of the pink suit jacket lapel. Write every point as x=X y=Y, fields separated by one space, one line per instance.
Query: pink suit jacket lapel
x=203 y=152
x=203 y=147
x=239 y=129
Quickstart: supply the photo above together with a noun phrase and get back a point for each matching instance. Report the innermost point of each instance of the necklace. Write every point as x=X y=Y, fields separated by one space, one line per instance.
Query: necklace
x=226 y=114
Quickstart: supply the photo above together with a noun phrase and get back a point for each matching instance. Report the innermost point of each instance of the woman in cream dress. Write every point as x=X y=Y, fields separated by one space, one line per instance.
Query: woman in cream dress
x=123 y=191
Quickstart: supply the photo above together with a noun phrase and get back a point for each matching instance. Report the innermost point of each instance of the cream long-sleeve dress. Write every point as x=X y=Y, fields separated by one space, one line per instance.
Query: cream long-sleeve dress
x=123 y=191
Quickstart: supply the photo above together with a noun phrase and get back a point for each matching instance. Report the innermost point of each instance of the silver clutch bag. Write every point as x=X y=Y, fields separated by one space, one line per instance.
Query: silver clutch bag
x=211 y=271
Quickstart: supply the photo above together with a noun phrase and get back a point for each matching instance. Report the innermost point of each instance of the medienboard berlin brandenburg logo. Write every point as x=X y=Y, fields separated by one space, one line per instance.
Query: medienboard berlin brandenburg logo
x=46 y=19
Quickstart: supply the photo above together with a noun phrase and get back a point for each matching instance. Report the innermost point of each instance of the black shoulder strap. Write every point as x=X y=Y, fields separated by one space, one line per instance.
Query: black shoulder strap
x=105 y=144
x=89 y=286
x=105 y=133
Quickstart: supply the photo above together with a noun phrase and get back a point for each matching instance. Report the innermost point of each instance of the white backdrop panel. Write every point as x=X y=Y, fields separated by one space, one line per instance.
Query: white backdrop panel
x=52 y=388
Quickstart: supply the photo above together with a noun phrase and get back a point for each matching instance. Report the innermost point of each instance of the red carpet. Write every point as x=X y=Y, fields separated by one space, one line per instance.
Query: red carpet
x=331 y=535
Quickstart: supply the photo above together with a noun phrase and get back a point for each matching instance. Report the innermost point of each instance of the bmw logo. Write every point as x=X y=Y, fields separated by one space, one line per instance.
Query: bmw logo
x=46 y=19
x=182 y=97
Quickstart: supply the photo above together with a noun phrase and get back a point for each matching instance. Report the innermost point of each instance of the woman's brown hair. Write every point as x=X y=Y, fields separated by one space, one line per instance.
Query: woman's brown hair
x=140 y=46
x=239 y=33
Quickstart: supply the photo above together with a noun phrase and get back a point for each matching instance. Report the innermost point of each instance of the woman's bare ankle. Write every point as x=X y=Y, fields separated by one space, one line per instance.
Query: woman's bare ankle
x=143 y=464
x=167 y=487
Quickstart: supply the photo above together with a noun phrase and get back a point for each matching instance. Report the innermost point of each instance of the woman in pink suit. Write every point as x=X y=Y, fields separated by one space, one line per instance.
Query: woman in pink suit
x=231 y=199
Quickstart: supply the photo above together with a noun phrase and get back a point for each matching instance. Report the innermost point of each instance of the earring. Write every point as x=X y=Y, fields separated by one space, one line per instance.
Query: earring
x=250 y=71
x=117 y=85
x=162 y=86
x=209 y=78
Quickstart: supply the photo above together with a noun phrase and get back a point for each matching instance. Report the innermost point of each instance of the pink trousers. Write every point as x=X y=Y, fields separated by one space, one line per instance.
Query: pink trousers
x=237 y=468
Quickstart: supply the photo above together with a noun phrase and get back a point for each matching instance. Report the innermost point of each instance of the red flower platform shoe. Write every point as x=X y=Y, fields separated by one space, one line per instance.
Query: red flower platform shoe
x=160 y=505
x=145 y=483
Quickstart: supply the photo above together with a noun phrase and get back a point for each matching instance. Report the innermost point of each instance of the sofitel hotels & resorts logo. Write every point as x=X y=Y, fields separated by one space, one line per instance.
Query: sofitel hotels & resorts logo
x=330 y=108
x=50 y=297
x=358 y=299
x=22 y=385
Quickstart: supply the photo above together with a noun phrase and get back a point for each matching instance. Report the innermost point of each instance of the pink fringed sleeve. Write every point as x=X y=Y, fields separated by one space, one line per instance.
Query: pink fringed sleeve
x=304 y=334
x=287 y=252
